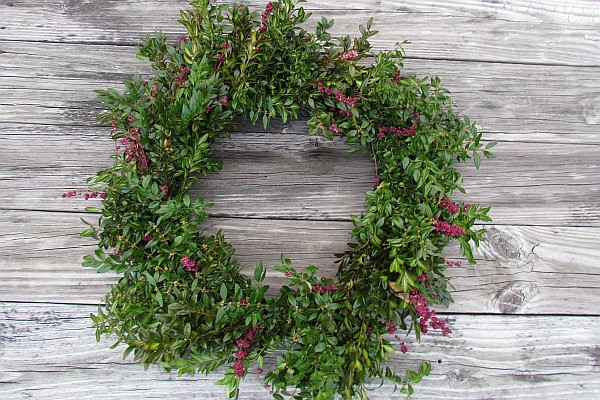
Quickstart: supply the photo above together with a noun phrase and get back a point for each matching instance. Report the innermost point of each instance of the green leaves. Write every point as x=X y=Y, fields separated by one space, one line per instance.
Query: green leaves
x=181 y=300
x=223 y=292
x=159 y=298
x=259 y=272
x=220 y=314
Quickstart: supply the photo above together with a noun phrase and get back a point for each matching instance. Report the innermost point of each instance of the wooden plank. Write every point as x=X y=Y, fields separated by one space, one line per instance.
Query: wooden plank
x=521 y=270
x=291 y=175
x=526 y=70
x=488 y=31
x=47 y=61
x=511 y=102
x=326 y=188
x=49 y=352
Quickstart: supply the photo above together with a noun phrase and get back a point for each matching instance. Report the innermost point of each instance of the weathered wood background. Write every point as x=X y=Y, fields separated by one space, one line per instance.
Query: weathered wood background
x=526 y=319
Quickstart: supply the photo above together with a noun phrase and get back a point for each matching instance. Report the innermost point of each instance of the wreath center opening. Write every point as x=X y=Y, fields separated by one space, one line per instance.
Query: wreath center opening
x=281 y=191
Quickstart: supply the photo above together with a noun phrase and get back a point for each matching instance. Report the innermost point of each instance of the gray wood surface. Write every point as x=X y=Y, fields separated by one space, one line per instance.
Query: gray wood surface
x=526 y=319
x=51 y=354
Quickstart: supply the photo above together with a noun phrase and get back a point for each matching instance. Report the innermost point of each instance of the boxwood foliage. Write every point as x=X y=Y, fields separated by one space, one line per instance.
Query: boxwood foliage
x=180 y=299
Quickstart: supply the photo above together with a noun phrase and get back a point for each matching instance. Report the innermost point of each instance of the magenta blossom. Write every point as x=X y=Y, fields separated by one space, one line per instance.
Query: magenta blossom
x=189 y=264
x=349 y=55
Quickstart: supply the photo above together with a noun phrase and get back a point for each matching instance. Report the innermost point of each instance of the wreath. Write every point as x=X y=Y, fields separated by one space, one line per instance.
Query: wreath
x=181 y=300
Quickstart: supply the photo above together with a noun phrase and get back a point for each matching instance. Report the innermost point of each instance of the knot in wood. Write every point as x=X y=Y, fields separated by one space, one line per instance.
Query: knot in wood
x=514 y=297
x=501 y=245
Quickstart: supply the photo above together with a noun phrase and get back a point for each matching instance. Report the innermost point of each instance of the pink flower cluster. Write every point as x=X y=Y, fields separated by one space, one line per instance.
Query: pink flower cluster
x=221 y=57
x=345 y=114
x=182 y=39
x=403 y=348
x=339 y=96
x=349 y=55
x=376 y=180
x=324 y=90
x=165 y=191
x=342 y=98
x=447 y=229
x=453 y=208
x=396 y=77
x=427 y=315
x=93 y=195
x=189 y=264
x=423 y=277
x=324 y=288
x=391 y=327
x=265 y=16
x=134 y=151
x=452 y=263
x=181 y=78
x=383 y=130
x=333 y=128
x=243 y=344
x=86 y=195
x=238 y=364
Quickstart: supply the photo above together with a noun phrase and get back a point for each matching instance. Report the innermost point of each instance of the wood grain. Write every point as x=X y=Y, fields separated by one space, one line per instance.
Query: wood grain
x=488 y=31
x=526 y=320
x=276 y=175
x=48 y=352
x=511 y=102
x=521 y=270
